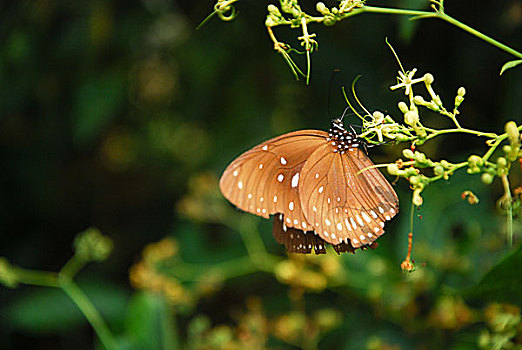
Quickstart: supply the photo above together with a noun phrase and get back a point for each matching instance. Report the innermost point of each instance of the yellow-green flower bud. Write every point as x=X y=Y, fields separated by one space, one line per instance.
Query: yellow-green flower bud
x=392 y=169
x=91 y=245
x=507 y=149
x=513 y=133
x=461 y=91
x=486 y=178
x=415 y=180
x=272 y=9
x=407 y=153
x=417 y=199
x=411 y=118
x=428 y=78
x=378 y=116
x=269 y=22
x=410 y=172
x=475 y=160
x=438 y=170
x=501 y=161
x=420 y=157
x=296 y=12
x=321 y=8
x=444 y=163
x=403 y=107
x=419 y=100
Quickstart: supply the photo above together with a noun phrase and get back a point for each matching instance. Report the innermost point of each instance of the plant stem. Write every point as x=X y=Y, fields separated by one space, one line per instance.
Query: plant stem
x=440 y=15
x=478 y=34
x=90 y=312
x=508 y=200
x=37 y=278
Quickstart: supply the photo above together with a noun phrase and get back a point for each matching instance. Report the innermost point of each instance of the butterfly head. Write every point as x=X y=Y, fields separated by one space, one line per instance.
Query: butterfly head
x=341 y=139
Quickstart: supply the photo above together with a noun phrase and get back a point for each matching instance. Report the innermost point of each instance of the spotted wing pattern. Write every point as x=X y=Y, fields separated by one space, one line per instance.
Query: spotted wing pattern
x=343 y=199
x=264 y=180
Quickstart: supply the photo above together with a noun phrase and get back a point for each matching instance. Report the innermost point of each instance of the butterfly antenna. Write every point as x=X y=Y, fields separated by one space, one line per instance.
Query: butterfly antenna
x=349 y=104
x=332 y=76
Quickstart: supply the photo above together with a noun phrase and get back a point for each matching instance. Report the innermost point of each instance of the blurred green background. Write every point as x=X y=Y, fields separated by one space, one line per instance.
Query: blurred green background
x=120 y=115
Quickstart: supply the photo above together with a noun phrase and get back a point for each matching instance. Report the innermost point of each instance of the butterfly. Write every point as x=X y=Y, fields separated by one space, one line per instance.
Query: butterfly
x=319 y=186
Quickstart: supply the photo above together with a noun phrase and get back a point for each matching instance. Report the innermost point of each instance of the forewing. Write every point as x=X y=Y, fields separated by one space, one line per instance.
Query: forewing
x=342 y=205
x=264 y=180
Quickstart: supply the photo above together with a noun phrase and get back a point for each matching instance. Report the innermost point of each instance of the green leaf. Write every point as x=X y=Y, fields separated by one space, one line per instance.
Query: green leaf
x=509 y=65
x=503 y=283
x=49 y=310
x=149 y=324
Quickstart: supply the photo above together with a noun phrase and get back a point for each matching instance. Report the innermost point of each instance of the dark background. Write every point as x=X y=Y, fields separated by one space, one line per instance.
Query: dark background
x=109 y=109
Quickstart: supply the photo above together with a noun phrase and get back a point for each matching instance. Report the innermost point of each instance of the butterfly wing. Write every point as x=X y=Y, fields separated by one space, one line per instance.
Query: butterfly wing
x=264 y=180
x=342 y=204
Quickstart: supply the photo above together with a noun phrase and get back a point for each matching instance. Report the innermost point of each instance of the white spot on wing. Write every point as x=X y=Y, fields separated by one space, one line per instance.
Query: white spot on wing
x=295 y=180
x=250 y=196
x=303 y=225
x=365 y=216
x=347 y=223
x=373 y=214
x=359 y=220
x=381 y=210
x=283 y=161
x=339 y=226
x=316 y=175
x=265 y=148
x=355 y=241
x=296 y=222
x=321 y=189
x=260 y=166
x=261 y=199
x=353 y=224
x=235 y=173
x=362 y=237
x=280 y=177
x=387 y=217
x=327 y=222
x=333 y=235
x=240 y=185
x=392 y=211
x=314 y=208
x=291 y=205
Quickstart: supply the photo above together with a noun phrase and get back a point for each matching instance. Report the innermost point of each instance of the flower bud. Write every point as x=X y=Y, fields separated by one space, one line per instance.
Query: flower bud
x=272 y=9
x=415 y=180
x=513 y=133
x=411 y=118
x=407 y=153
x=461 y=91
x=428 y=78
x=475 y=160
x=486 y=178
x=403 y=107
x=419 y=100
x=420 y=157
x=321 y=8
x=269 y=22
x=378 y=116
x=392 y=169
x=501 y=162
x=507 y=149
x=91 y=245
x=438 y=170
x=417 y=199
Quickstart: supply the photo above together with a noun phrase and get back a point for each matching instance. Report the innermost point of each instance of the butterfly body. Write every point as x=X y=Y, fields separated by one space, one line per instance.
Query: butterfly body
x=319 y=186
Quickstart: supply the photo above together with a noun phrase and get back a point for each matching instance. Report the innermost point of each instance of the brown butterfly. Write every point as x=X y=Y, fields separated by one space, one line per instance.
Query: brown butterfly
x=319 y=186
